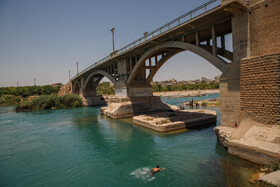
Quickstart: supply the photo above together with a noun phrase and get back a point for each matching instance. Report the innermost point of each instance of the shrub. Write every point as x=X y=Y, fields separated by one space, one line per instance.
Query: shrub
x=9 y=99
x=50 y=102
x=275 y=166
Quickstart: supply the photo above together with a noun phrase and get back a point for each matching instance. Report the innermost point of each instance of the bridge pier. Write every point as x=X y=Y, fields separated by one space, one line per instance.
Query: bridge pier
x=132 y=99
x=230 y=79
x=125 y=107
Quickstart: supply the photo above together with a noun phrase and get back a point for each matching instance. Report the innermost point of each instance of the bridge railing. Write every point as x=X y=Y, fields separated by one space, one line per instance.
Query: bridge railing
x=172 y=24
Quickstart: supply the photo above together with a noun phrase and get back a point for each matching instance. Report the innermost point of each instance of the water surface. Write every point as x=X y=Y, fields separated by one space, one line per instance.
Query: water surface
x=79 y=147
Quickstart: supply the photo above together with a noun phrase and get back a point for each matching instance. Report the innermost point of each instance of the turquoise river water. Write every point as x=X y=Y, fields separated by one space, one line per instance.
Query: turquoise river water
x=79 y=147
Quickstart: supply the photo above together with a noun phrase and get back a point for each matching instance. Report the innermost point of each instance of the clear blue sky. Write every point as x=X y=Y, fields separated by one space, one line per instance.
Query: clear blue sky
x=43 y=39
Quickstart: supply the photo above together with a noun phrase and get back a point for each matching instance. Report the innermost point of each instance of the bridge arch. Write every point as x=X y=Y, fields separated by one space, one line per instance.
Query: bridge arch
x=76 y=87
x=218 y=62
x=100 y=72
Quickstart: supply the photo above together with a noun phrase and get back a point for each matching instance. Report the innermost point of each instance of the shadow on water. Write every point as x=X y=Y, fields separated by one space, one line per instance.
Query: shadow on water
x=236 y=171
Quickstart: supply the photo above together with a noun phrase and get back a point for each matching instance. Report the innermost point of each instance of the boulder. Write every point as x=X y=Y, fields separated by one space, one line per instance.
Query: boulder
x=272 y=178
x=223 y=134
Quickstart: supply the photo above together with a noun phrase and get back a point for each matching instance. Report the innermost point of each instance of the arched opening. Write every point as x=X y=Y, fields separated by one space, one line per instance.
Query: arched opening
x=76 y=88
x=105 y=88
x=95 y=88
x=161 y=53
x=185 y=71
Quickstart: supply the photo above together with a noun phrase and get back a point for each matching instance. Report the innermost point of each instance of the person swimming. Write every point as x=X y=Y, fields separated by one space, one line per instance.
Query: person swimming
x=154 y=170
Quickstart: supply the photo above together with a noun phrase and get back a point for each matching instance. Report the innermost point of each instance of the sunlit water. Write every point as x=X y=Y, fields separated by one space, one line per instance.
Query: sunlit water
x=79 y=147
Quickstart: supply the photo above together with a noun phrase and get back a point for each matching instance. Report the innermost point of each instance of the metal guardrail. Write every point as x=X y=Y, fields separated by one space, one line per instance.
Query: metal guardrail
x=172 y=24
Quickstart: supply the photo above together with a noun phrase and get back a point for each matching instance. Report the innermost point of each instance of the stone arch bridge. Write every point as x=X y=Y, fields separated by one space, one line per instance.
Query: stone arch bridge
x=201 y=31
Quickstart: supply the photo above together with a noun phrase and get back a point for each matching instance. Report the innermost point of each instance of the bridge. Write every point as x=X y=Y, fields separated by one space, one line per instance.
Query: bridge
x=201 y=31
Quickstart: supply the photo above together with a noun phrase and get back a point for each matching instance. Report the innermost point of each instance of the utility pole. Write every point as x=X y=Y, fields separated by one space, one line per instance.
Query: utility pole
x=77 y=64
x=112 y=30
x=69 y=75
x=34 y=81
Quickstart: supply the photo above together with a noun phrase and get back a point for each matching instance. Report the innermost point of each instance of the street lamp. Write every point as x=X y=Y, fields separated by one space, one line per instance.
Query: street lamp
x=77 y=64
x=112 y=30
x=145 y=35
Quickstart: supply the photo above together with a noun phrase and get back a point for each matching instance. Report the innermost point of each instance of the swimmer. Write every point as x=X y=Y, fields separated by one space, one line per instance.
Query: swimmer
x=154 y=170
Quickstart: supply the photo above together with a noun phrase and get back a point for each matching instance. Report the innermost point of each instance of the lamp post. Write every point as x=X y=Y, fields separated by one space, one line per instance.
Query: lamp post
x=145 y=35
x=77 y=64
x=112 y=30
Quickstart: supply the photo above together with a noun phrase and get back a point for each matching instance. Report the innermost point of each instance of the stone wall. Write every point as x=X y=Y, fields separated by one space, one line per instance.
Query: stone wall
x=264 y=27
x=65 y=89
x=260 y=89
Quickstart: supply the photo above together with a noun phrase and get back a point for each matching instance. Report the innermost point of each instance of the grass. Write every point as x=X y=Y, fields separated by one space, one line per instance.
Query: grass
x=46 y=102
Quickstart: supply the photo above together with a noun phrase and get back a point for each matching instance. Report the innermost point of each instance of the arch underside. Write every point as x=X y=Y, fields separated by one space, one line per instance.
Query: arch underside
x=96 y=76
x=76 y=87
x=171 y=48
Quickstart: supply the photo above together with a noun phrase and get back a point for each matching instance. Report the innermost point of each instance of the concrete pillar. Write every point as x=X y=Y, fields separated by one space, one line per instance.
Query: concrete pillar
x=230 y=79
x=197 y=38
x=81 y=93
x=214 y=40
x=121 y=85
x=223 y=43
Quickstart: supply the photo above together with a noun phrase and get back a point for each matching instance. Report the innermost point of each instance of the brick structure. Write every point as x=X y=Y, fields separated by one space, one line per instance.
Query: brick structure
x=264 y=27
x=260 y=73
x=260 y=85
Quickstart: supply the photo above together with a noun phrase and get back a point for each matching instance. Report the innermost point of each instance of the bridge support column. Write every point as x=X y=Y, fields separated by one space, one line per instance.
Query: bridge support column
x=133 y=99
x=81 y=93
x=230 y=79
x=121 y=85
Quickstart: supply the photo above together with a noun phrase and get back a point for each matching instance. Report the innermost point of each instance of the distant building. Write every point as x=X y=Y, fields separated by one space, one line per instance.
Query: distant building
x=56 y=84
x=173 y=81
x=217 y=78
x=203 y=79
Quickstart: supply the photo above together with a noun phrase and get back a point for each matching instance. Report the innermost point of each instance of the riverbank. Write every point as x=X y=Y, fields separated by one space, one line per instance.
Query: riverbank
x=187 y=93
x=52 y=102
x=205 y=103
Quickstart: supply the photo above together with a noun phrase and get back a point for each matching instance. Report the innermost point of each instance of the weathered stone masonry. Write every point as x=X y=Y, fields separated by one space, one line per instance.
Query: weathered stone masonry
x=260 y=85
x=260 y=72
x=264 y=27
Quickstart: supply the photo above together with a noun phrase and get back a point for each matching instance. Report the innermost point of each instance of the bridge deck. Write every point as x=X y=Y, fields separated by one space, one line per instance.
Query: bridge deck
x=216 y=16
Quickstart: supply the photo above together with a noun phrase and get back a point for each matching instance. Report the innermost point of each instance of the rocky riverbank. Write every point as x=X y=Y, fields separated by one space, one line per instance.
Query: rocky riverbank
x=188 y=93
x=252 y=141
x=205 y=103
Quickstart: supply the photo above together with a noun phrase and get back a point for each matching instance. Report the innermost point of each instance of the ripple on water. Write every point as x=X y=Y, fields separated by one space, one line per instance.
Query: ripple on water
x=6 y=122
x=143 y=174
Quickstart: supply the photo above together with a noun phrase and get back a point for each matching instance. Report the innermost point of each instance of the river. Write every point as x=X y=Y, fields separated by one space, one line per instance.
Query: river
x=79 y=147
